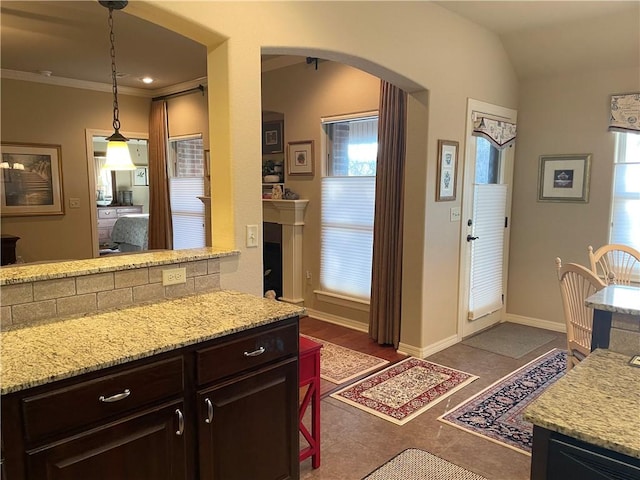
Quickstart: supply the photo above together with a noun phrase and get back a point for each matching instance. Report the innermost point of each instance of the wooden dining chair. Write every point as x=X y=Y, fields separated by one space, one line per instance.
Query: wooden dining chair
x=576 y=284
x=614 y=263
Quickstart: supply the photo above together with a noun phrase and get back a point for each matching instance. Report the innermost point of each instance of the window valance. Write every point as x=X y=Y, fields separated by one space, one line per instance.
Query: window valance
x=500 y=133
x=625 y=113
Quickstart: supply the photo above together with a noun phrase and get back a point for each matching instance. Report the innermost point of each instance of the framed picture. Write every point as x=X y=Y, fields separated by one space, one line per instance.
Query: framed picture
x=272 y=137
x=141 y=176
x=300 y=158
x=447 y=170
x=564 y=178
x=31 y=180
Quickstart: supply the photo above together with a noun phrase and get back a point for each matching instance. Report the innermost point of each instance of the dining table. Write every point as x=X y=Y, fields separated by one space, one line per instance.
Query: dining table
x=612 y=299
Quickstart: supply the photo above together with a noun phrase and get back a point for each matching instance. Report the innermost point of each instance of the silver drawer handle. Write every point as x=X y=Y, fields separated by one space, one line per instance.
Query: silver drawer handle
x=255 y=353
x=115 y=398
x=209 y=418
x=180 y=430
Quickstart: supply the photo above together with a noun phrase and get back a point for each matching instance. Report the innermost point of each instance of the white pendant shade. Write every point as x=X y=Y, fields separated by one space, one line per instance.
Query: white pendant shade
x=118 y=156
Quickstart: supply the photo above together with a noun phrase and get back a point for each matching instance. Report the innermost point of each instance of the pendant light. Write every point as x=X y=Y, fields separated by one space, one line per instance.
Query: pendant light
x=118 y=156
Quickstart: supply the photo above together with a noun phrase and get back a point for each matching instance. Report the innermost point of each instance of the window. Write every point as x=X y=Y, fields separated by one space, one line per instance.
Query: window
x=348 y=203
x=186 y=184
x=625 y=209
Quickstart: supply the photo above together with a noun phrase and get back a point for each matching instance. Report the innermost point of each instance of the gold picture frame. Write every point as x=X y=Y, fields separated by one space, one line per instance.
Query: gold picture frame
x=447 y=170
x=300 y=158
x=564 y=178
x=31 y=180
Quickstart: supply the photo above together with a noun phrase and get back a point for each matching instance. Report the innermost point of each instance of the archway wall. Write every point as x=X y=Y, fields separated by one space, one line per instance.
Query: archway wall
x=438 y=56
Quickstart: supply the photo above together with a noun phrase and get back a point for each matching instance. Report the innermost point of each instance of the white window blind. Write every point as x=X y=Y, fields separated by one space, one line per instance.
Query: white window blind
x=187 y=212
x=625 y=209
x=348 y=205
x=486 y=252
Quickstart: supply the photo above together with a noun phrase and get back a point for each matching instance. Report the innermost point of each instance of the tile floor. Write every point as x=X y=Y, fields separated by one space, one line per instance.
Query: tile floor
x=354 y=443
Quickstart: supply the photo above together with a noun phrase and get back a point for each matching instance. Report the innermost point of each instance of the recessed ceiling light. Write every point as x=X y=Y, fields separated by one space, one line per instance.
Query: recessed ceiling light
x=147 y=80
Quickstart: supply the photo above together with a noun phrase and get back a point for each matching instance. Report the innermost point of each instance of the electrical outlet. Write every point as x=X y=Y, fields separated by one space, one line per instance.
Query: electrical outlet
x=174 y=276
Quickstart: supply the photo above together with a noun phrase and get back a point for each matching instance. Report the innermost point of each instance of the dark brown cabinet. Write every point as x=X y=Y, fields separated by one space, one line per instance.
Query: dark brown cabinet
x=222 y=409
x=244 y=432
x=558 y=457
x=148 y=444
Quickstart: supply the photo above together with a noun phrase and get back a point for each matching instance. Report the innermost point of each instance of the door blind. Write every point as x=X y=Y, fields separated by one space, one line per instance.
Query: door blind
x=187 y=212
x=487 y=251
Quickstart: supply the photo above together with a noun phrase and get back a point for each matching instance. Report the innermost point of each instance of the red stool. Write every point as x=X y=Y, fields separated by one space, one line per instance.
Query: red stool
x=309 y=366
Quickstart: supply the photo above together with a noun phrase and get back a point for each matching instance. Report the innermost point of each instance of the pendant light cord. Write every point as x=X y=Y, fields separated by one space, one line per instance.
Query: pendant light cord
x=116 y=110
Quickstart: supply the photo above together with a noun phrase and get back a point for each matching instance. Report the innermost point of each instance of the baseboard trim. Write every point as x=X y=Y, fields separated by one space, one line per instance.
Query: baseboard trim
x=337 y=320
x=536 y=322
x=423 y=352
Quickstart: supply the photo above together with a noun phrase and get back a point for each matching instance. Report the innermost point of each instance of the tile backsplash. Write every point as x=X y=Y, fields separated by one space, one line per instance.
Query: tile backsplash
x=85 y=294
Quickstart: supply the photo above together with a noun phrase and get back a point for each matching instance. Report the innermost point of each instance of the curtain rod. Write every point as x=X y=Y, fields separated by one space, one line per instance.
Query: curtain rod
x=199 y=88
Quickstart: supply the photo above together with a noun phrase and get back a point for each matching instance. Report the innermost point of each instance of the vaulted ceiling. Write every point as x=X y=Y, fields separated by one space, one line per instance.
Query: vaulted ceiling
x=71 y=39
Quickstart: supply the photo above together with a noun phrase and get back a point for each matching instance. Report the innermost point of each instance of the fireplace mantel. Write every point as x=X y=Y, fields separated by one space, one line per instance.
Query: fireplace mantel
x=290 y=215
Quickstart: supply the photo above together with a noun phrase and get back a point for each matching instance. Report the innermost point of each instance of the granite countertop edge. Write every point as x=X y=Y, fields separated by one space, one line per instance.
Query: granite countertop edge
x=586 y=403
x=32 y=272
x=49 y=351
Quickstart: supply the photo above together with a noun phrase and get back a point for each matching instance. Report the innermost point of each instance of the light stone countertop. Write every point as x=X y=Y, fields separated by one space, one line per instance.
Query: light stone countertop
x=617 y=299
x=31 y=272
x=597 y=402
x=54 y=350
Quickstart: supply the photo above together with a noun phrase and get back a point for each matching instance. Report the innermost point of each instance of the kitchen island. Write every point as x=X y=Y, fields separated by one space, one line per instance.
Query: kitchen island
x=588 y=422
x=172 y=389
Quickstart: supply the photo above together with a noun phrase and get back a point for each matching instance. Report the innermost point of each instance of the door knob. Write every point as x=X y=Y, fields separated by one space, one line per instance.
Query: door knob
x=470 y=238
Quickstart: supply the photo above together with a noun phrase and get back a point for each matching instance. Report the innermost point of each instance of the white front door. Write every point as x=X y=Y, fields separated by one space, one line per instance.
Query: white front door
x=486 y=203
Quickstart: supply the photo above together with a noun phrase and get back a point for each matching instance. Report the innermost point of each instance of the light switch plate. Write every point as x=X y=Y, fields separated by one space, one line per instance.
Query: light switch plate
x=74 y=203
x=454 y=214
x=252 y=236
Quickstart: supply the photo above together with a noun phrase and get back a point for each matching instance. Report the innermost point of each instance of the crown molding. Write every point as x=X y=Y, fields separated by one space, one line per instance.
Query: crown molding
x=97 y=86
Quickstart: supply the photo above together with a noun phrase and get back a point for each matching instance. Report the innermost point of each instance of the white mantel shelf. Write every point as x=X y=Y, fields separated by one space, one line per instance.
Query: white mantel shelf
x=284 y=212
x=289 y=214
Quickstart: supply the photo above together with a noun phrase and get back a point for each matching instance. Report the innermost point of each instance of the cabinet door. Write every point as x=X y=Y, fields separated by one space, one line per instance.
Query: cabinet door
x=248 y=427
x=141 y=446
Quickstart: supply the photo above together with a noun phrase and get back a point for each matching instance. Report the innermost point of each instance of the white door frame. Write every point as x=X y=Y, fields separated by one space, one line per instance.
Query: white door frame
x=465 y=327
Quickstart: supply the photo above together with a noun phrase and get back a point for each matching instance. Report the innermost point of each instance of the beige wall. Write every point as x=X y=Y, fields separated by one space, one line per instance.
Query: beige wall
x=426 y=48
x=305 y=95
x=39 y=113
x=560 y=115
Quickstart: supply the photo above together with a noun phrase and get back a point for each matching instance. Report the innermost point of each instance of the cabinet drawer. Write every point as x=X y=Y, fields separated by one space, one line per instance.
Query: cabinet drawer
x=107 y=213
x=100 y=399
x=246 y=353
x=128 y=210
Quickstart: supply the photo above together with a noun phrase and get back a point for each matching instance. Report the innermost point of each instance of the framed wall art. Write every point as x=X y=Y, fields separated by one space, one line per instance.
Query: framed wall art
x=31 y=180
x=141 y=176
x=300 y=158
x=272 y=137
x=447 y=170
x=564 y=178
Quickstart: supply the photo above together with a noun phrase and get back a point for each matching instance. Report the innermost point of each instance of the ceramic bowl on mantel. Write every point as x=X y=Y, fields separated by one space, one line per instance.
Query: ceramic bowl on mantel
x=271 y=178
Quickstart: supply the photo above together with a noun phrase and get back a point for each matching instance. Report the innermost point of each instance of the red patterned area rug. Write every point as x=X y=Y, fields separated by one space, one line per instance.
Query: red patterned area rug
x=495 y=413
x=340 y=364
x=404 y=390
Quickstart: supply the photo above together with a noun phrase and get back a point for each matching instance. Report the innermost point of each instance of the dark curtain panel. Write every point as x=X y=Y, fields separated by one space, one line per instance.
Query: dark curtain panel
x=160 y=226
x=386 y=275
